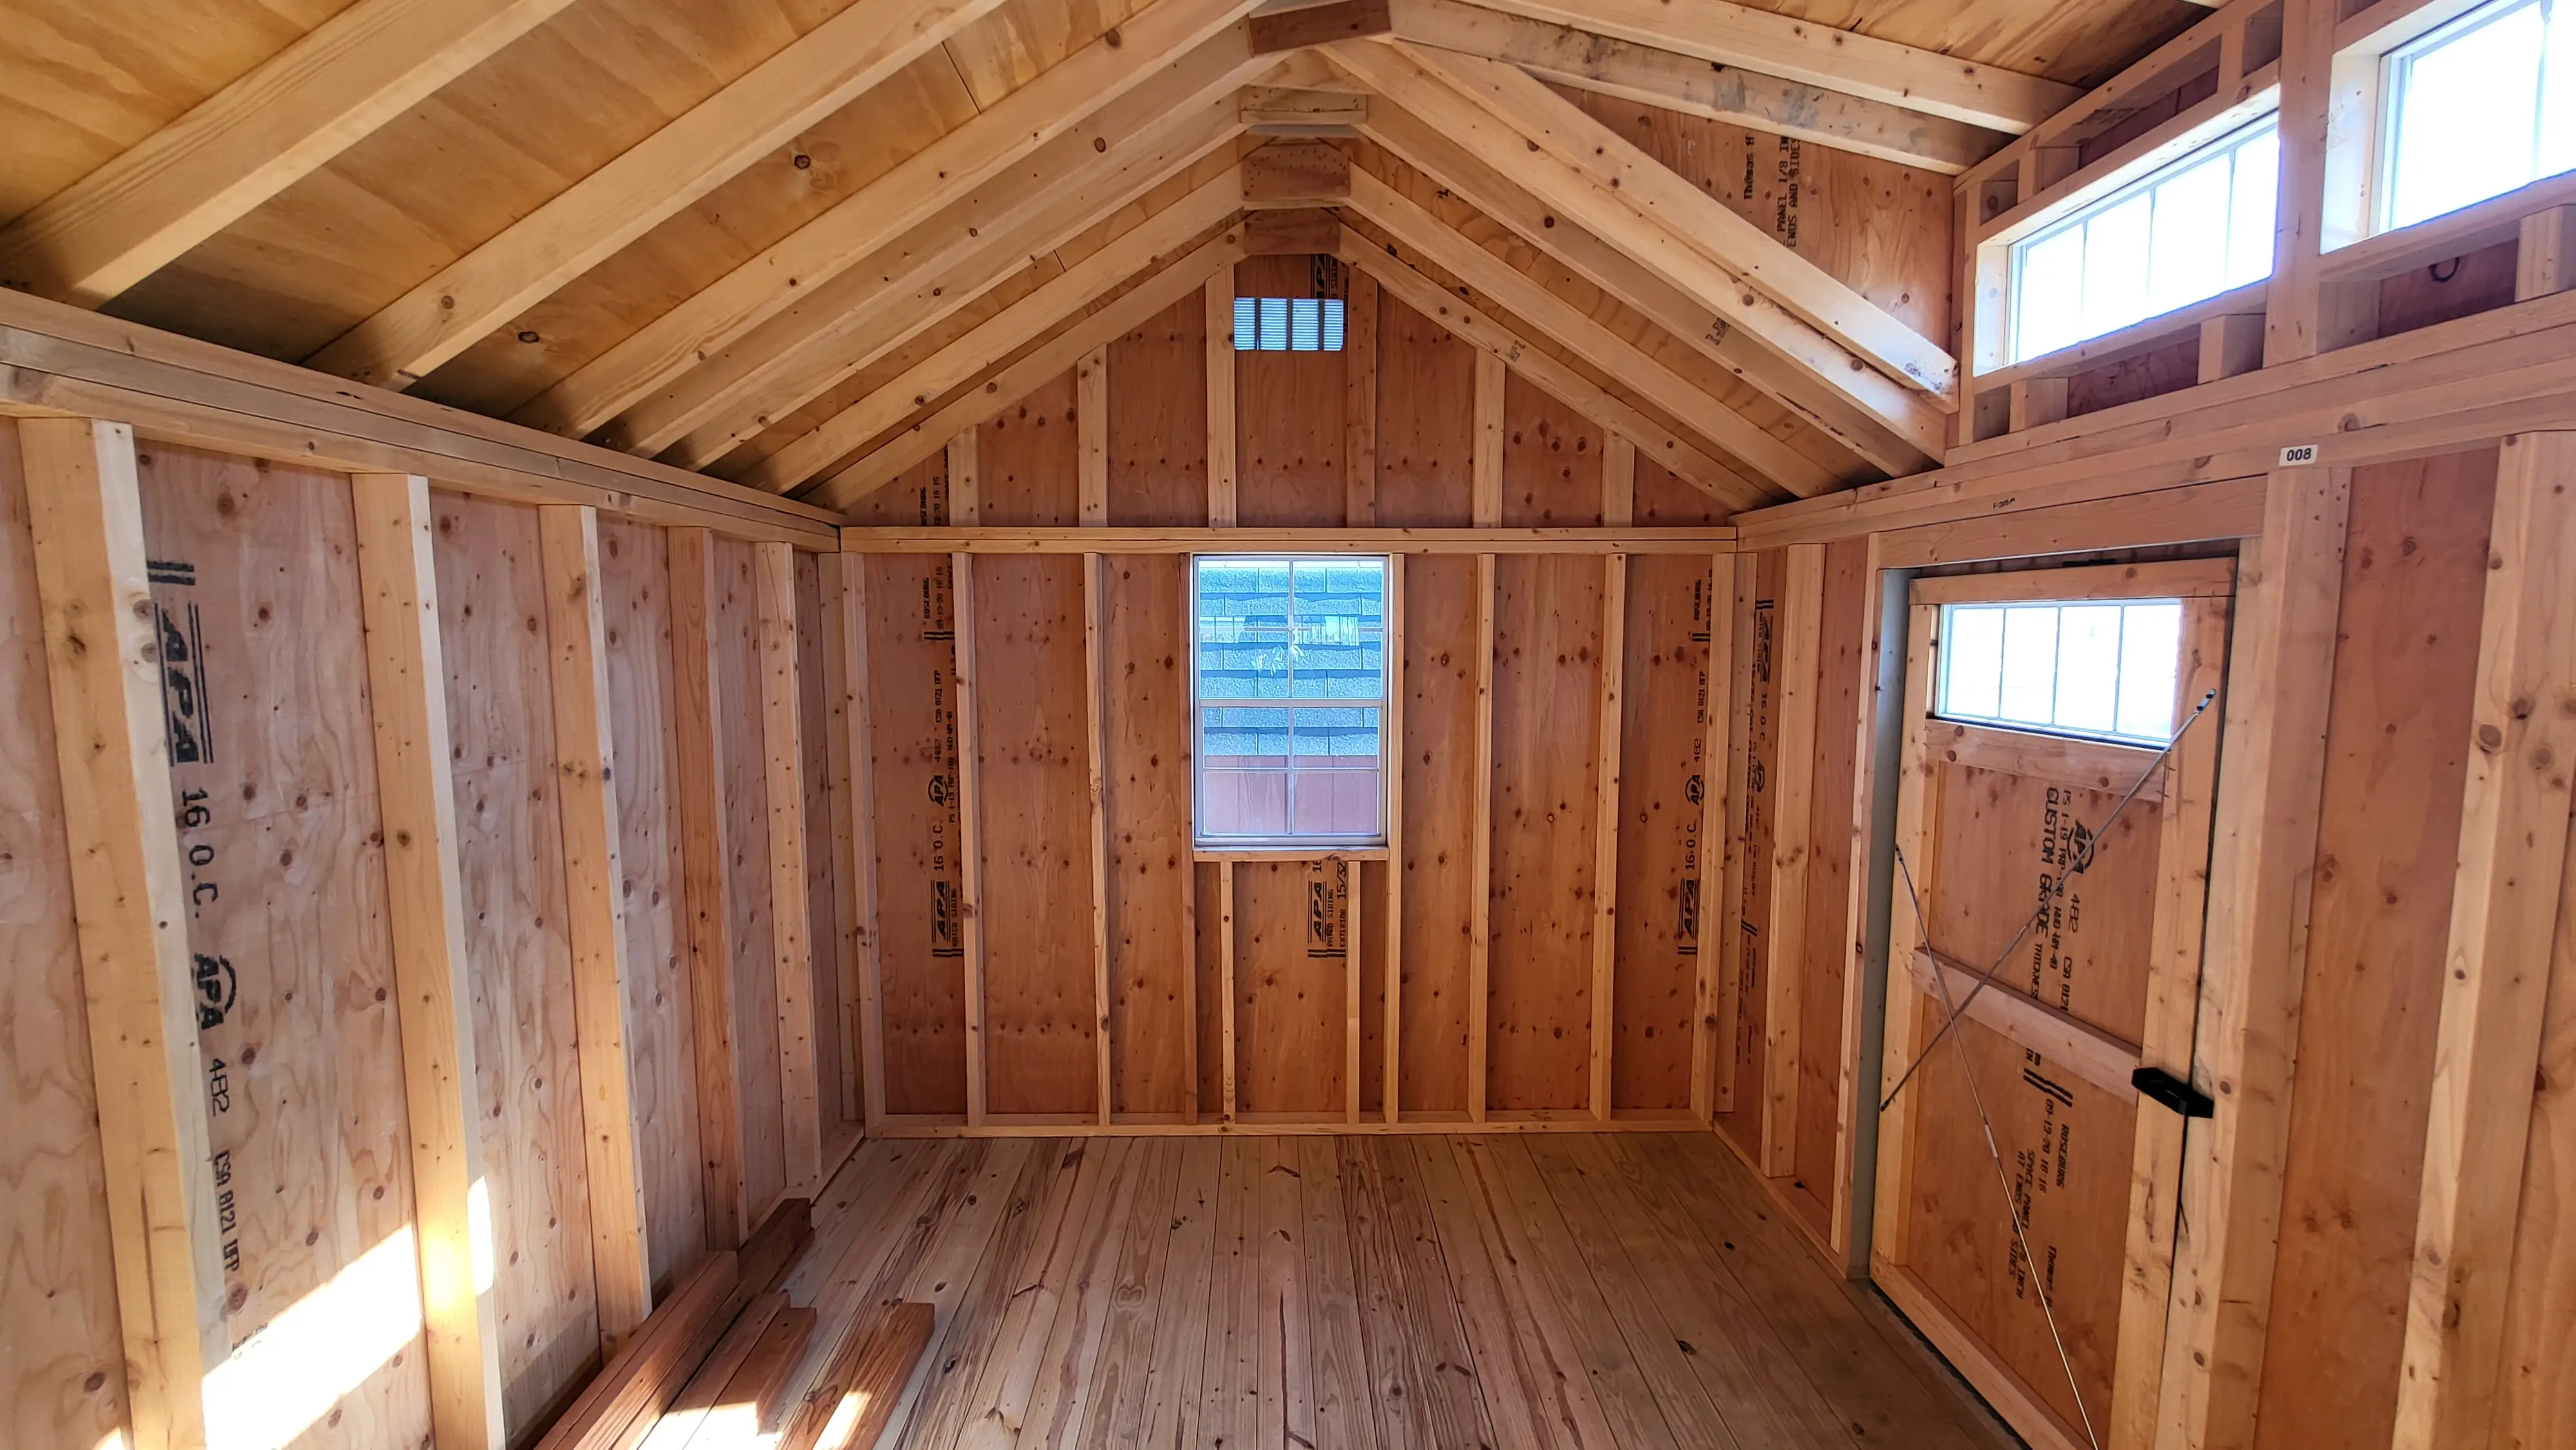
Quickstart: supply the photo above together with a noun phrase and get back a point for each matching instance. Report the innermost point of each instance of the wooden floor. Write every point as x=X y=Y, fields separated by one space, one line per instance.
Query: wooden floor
x=1389 y=1291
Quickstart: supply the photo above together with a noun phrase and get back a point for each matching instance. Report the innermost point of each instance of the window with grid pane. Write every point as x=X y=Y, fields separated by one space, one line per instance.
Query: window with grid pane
x=2103 y=669
x=1288 y=324
x=1291 y=683
x=2192 y=230
x=2476 y=108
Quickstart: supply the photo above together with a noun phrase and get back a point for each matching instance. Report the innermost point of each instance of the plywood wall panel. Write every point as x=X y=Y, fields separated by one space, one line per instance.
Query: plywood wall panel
x=1547 y=669
x=912 y=737
x=1551 y=461
x=1039 y=1011
x=62 y=1354
x=1842 y=667
x=2387 y=829
x=1426 y=421
x=1145 y=743
x=1439 y=685
x=491 y=615
x=1291 y=937
x=912 y=703
x=1027 y=461
x=1158 y=420
x=1665 y=502
x=661 y=1052
x=1288 y=414
x=1426 y=452
x=1666 y=876
x=254 y=571
x=734 y=626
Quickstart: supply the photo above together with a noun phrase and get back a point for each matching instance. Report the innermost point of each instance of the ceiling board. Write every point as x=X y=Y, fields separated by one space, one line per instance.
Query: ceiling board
x=2079 y=42
x=76 y=88
x=454 y=171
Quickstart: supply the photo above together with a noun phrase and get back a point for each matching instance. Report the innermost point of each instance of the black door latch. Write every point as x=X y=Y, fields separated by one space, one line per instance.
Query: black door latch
x=2173 y=1092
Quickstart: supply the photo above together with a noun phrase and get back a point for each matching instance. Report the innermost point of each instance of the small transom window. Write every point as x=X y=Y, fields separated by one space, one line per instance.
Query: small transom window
x=1291 y=687
x=2476 y=108
x=2190 y=231
x=2104 y=669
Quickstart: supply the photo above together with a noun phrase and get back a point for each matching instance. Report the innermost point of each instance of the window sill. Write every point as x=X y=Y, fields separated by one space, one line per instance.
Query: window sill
x=1320 y=851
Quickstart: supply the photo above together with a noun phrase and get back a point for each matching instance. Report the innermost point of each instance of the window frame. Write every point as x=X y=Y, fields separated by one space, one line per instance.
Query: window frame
x=1946 y=660
x=1203 y=844
x=2389 y=67
x=1331 y=323
x=2206 y=588
x=2115 y=192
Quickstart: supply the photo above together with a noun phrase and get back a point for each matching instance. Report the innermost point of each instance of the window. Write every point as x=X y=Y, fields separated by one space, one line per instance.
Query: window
x=2191 y=230
x=2476 y=108
x=1287 y=324
x=2104 y=669
x=1291 y=683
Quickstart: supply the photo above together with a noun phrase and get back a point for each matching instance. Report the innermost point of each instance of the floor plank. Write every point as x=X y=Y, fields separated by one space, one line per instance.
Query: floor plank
x=1336 y=1346
x=1124 y=1373
x=1060 y=1391
x=1230 y=1385
x=1760 y=1389
x=1872 y=1372
x=1587 y=1292
x=1419 y=1364
x=1184 y=1313
x=1533 y=1376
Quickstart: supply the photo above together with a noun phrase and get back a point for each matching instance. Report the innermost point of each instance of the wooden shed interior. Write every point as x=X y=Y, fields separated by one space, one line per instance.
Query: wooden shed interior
x=1596 y=724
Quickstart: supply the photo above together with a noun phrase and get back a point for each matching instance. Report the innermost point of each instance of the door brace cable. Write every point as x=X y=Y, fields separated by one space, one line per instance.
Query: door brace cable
x=2048 y=898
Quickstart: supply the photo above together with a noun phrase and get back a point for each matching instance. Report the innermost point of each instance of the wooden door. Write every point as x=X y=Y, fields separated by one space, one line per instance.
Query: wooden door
x=2104 y=979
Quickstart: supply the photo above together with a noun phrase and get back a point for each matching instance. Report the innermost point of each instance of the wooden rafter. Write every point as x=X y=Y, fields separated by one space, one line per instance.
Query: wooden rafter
x=1423 y=119
x=1062 y=234
x=1593 y=62
x=1819 y=55
x=1165 y=234
x=1894 y=429
x=1605 y=170
x=1493 y=336
x=583 y=225
x=251 y=140
x=1082 y=88
x=928 y=273
x=1120 y=316
x=1623 y=361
